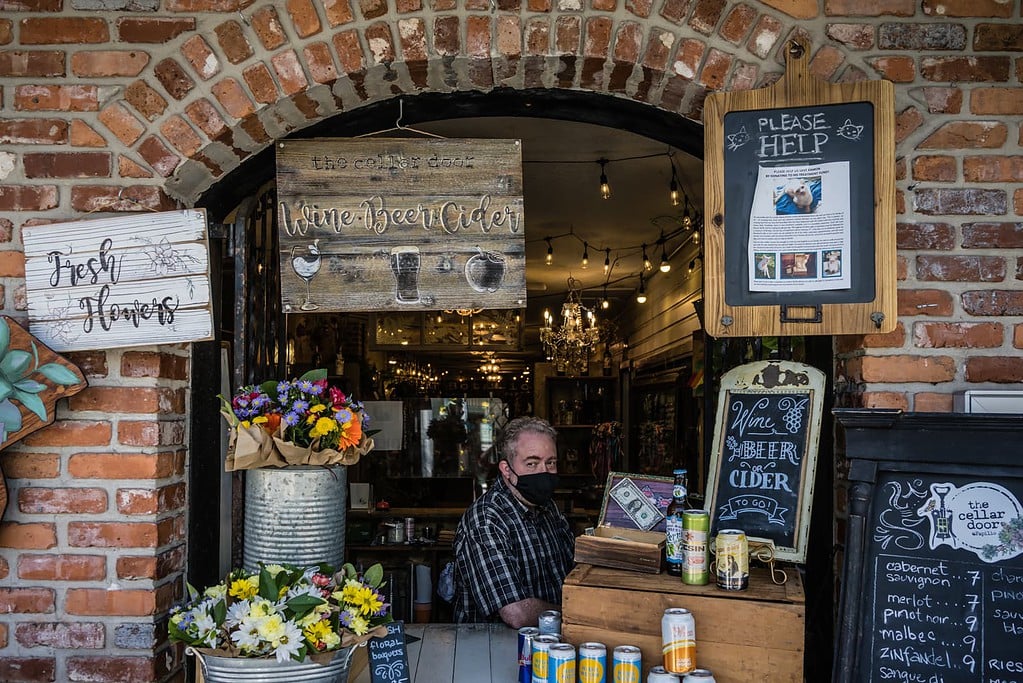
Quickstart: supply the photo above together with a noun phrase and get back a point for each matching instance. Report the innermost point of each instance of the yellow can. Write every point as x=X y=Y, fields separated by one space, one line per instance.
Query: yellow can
x=732 y=550
x=678 y=635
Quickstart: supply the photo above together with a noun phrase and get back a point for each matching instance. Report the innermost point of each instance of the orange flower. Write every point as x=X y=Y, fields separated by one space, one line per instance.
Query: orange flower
x=273 y=421
x=350 y=433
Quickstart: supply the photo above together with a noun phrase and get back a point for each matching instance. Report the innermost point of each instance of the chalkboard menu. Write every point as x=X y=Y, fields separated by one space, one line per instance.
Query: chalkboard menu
x=765 y=453
x=388 y=657
x=933 y=582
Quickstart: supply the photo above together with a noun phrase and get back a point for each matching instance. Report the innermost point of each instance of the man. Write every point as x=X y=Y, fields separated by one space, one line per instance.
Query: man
x=513 y=547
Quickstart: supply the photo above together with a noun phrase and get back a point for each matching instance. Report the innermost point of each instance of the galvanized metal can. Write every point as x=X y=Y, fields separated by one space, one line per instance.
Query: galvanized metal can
x=592 y=663
x=696 y=565
x=410 y=529
x=658 y=674
x=732 y=561
x=526 y=635
x=626 y=664
x=678 y=635
x=699 y=676
x=550 y=621
x=561 y=663
x=541 y=650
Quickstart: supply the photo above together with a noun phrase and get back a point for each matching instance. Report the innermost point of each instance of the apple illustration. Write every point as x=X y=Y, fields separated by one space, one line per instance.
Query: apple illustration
x=485 y=271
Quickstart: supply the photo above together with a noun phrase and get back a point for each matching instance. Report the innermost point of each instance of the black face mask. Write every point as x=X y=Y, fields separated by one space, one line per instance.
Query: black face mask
x=536 y=488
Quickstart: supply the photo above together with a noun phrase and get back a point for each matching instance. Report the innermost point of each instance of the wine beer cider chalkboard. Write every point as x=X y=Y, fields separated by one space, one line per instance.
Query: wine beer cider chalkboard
x=765 y=453
x=932 y=585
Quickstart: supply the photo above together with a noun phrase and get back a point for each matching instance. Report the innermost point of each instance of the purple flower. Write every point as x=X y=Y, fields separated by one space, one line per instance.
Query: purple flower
x=305 y=386
x=300 y=406
x=292 y=419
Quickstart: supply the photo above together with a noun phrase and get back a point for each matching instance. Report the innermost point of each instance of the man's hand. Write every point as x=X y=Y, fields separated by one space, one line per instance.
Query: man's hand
x=525 y=612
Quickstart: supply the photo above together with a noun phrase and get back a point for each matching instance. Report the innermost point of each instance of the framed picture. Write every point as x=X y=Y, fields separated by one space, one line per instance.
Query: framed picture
x=615 y=508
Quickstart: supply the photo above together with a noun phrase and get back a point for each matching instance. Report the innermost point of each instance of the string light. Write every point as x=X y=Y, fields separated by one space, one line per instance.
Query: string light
x=549 y=259
x=586 y=255
x=605 y=187
x=604 y=303
x=665 y=266
x=646 y=260
x=673 y=187
x=607 y=261
x=641 y=294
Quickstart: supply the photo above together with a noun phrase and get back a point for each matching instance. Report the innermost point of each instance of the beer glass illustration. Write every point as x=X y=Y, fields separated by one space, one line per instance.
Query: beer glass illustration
x=405 y=263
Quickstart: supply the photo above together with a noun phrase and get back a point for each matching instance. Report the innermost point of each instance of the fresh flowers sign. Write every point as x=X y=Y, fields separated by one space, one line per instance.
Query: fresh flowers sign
x=295 y=422
x=284 y=612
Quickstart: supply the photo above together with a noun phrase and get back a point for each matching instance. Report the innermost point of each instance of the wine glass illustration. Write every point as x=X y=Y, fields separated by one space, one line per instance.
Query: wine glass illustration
x=306 y=266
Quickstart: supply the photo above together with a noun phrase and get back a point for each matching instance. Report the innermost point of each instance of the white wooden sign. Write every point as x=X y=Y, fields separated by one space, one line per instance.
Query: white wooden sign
x=131 y=280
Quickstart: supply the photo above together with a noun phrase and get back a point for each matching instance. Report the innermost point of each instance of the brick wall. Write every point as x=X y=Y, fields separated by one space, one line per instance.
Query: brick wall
x=134 y=105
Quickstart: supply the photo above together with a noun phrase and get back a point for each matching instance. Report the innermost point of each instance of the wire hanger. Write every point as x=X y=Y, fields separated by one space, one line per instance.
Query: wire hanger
x=405 y=129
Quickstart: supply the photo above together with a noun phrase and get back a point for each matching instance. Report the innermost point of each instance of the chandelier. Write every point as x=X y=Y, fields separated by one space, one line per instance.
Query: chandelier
x=568 y=345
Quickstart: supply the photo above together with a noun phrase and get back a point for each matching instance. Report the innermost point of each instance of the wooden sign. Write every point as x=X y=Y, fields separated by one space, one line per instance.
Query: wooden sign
x=932 y=585
x=765 y=453
x=401 y=224
x=388 y=657
x=801 y=204
x=130 y=280
x=35 y=378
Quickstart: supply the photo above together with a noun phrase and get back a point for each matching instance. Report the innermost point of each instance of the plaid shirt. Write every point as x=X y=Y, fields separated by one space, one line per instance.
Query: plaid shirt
x=506 y=552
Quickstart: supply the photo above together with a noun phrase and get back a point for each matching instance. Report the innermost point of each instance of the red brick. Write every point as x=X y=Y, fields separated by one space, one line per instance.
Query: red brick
x=744 y=76
x=935 y=268
x=131 y=198
x=960 y=202
x=112 y=535
x=1017 y=336
x=150 y=501
x=913 y=302
x=67 y=165
x=198 y=53
x=12 y=263
x=303 y=17
x=145 y=100
x=477 y=36
x=155 y=30
x=27 y=198
x=128 y=400
x=968 y=8
x=993 y=302
x=321 y=62
x=706 y=14
x=349 y=50
x=966 y=135
x=257 y=76
x=206 y=117
x=885 y=399
x=159 y=156
x=993 y=235
x=998 y=37
x=108 y=63
x=177 y=131
x=997 y=101
x=940 y=335
x=538 y=37
x=925 y=236
x=907 y=121
x=943 y=100
x=112 y=669
x=173 y=78
x=84 y=135
x=905 y=368
x=78 y=635
x=640 y=8
x=52 y=501
x=688 y=58
x=123 y=465
x=24 y=669
x=64 y=567
x=929 y=402
x=56 y=98
x=853 y=36
x=876 y=8
x=894 y=339
x=150 y=433
x=997 y=369
x=905 y=35
x=267 y=26
x=895 y=69
x=231 y=38
x=6 y=36
x=715 y=69
x=232 y=97
x=26 y=600
x=153 y=364
x=101 y=602
x=63 y=31
x=935 y=168
x=995 y=169
x=737 y=23
x=25 y=465
x=27 y=536
x=129 y=168
x=965 y=69
x=289 y=72
x=567 y=34
x=32 y=63
x=826 y=62
x=338 y=12
x=765 y=36
x=34 y=131
x=122 y=123
x=1017 y=202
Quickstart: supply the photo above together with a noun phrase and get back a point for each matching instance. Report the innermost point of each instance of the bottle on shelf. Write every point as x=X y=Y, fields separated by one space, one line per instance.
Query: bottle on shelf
x=673 y=547
x=606 y=361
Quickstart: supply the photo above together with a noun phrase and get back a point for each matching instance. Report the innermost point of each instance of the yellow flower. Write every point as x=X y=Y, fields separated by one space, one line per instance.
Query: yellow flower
x=321 y=637
x=367 y=601
x=271 y=628
x=260 y=419
x=323 y=426
x=359 y=626
x=318 y=408
x=244 y=588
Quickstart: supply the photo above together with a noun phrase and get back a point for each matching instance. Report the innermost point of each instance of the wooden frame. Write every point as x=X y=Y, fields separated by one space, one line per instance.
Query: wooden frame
x=612 y=515
x=772 y=500
x=868 y=304
x=421 y=332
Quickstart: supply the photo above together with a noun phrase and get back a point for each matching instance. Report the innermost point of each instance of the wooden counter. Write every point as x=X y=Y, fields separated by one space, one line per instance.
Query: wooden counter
x=741 y=636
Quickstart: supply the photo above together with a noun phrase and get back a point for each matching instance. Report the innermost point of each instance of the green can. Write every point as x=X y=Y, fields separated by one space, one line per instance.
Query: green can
x=695 y=532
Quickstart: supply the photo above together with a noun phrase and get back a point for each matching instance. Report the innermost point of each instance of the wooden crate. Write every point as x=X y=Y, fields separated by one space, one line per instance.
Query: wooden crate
x=638 y=551
x=742 y=636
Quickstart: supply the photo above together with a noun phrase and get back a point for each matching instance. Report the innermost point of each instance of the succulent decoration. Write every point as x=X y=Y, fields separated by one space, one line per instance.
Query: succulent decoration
x=16 y=383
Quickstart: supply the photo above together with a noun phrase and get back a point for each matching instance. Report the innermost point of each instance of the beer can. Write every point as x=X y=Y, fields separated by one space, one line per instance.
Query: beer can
x=526 y=635
x=626 y=664
x=695 y=527
x=732 y=551
x=678 y=633
x=561 y=663
x=410 y=529
x=541 y=648
x=699 y=676
x=592 y=663
x=550 y=621
x=658 y=674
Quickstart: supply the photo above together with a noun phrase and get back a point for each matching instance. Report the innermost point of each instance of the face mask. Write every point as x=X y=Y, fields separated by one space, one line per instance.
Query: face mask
x=536 y=488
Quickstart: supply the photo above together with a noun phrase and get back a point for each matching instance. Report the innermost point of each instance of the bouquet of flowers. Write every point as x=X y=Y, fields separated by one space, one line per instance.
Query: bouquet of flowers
x=284 y=612
x=295 y=422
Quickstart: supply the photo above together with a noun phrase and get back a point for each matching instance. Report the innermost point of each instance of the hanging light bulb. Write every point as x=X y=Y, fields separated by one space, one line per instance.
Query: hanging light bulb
x=549 y=259
x=605 y=187
x=586 y=255
x=692 y=266
x=604 y=303
x=607 y=261
x=665 y=266
x=673 y=187
x=646 y=260
x=687 y=218
x=696 y=236
x=641 y=294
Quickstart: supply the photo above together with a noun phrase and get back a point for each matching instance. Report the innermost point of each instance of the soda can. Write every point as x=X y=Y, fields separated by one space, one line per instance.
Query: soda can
x=592 y=663
x=732 y=560
x=626 y=664
x=658 y=674
x=695 y=527
x=410 y=529
x=550 y=621
x=678 y=633
x=541 y=649
x=561 y=663
x=699 y=676
x=526 y=635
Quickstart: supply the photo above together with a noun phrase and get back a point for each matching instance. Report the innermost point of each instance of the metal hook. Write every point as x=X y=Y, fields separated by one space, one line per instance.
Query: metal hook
x=401 y=114
x=795 y=49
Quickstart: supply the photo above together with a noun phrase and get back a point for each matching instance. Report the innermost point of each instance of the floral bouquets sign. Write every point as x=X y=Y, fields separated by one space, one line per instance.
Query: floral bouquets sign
x=284 y=612
x=295 y=422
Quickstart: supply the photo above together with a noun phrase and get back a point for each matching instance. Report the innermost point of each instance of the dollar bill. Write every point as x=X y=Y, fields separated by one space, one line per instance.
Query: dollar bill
x=640 y=509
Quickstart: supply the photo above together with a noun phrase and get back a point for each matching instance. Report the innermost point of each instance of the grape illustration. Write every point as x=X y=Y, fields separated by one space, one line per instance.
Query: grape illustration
x=793 y=417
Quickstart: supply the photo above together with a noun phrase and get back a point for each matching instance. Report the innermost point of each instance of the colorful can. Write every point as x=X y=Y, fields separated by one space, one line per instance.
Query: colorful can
x=695 y=527
x=592 y=663
x=678 y=633
x=732 y=551
x=541 y=650
x=561 y=663
x=550 y=621
x=626 y=664
x=410 y=529
x=699 y=676
x=658 y=674
x=526 y=635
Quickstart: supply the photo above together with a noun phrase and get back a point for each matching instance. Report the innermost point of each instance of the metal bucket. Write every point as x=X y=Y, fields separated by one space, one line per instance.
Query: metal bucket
x=247 y=670
x=295 y=515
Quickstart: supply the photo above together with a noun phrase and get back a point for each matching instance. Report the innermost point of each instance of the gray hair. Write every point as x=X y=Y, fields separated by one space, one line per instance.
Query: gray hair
x=507 y=442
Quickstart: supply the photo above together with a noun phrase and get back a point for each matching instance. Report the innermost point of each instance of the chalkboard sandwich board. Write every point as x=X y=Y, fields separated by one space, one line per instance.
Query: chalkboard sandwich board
x=765 y=453
x=388 y=656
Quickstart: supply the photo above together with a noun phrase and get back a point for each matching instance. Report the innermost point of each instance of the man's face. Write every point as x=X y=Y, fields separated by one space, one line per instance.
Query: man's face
x=534 y=453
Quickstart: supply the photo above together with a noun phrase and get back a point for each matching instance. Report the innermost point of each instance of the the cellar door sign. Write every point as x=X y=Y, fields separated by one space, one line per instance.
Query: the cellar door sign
x=400 y=224
x=124 y=281
x=765 y=453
